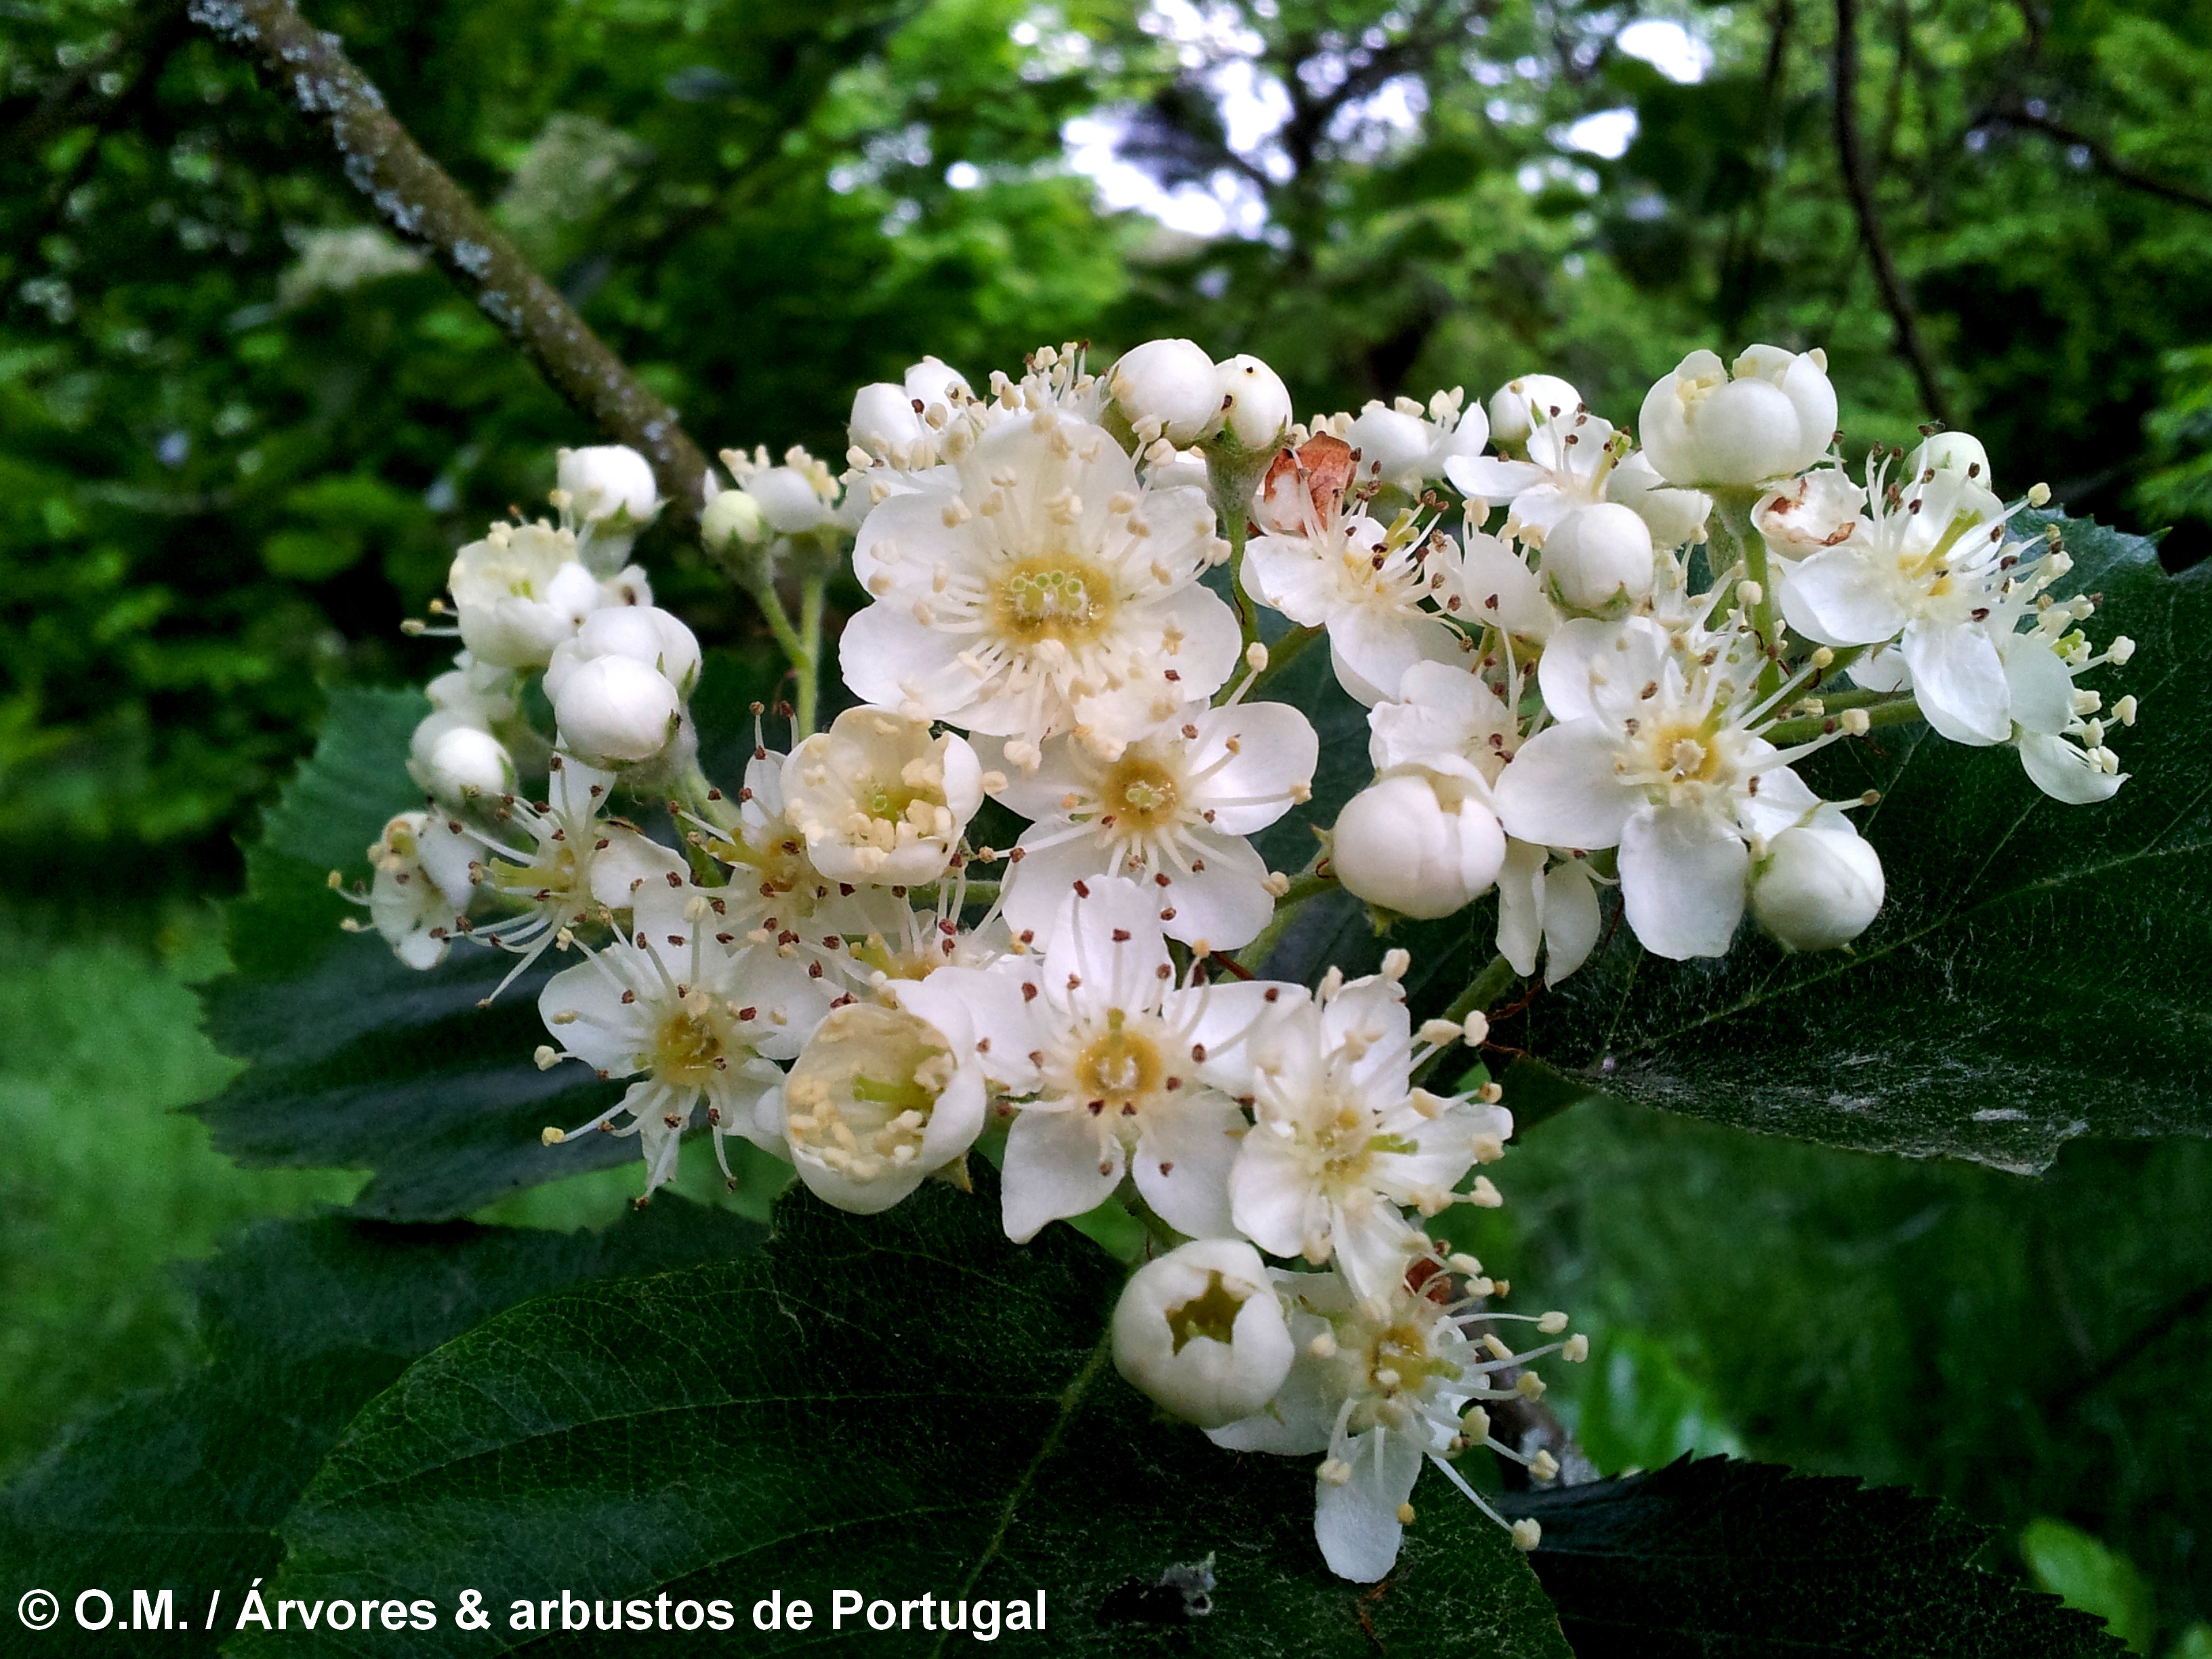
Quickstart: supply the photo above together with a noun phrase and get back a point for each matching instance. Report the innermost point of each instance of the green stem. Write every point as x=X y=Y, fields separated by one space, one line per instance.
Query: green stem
x=1902 y=711
x=1304 y=888
x=1248 y=614
x=808 y=669
x=1491 y=983
x=1733 y=537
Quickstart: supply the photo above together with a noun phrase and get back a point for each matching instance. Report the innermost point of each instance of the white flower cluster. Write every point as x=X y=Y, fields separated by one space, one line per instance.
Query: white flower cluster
x=1576 y=674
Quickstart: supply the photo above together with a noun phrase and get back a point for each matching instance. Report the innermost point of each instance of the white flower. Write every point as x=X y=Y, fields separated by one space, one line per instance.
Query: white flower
x=1491 y=585
x=1341 y=1139
x=885 y=1094
x=1817 y=888
x=480 y=693
x=773 y=885
x=701 y=1016
x=1167 y=388
x=902 y=424
x=643 y=633
x=422 y=887
x=2056 y=729
x=795 y=499
x=1119 y=1057
x=1824 y=508
x=1405 y=447
x=1522 y=404
x=1674 y=517
x=1598 y=558
x=1929 y=570
x=520 y=592
x=1365 y=581
x=608 y=482
x=1548 y=900
x=879 y=799
x=1418 y=842
x=1043 y=593
x=559 y=863
x=1200 y=1330
x=1256 y=404
x=1655 y=753
x=1570 y=461
x=1171 y=812
x=1771 y=414
x=1379 y=1387
x=1446 y=719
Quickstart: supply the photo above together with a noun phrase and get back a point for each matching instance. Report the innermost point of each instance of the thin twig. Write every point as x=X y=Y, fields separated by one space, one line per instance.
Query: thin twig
x=1852 y=159
x=2165 y=189
x=419 y=200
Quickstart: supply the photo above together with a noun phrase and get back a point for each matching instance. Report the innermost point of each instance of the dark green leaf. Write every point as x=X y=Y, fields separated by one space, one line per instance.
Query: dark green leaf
x=2039 y=971
x=900 y=1405
x=305 y=1323
x=1722 y=1559
x=357 y=1060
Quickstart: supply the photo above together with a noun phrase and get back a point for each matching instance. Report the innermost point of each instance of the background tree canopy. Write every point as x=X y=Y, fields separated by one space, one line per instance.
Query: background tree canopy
x=243 y=429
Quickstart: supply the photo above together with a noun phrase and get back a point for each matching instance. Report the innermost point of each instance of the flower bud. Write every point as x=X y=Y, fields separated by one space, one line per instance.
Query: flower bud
x=616 y=708
x=788 y=499
x=733 y=520
x=1521 y=405
x=608 y=481
x=933 y=381
x=1418 y=843
x=454 y=758
x=1817 y=889
x=1952 y=451
x=1771 y=417
x=1598 y=557
x=643 y=633
x=1168 y=388
x=1672 y=516
x=1201 y=1331
x=1257 y=403
x=1395 y=447
x=884 y=420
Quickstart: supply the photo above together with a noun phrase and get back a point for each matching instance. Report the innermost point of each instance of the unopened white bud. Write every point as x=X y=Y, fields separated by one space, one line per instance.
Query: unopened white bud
x=732 y=519
x=1817 y=889
x=454 y=761
x=1167 y=389
x=1770 y=414
x=885 y=421
x=608 y=481
x=1422 y=846
x=1522 y=404
x=1952 y=451
x=1256 y=403
x=1201 y=1331
x=616 y=708
x=788 y=499
x=1598 y=558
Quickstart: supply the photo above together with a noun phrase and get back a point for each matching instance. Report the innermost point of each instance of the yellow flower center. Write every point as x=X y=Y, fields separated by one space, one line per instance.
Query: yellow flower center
x=1120 y=1069
x=687 y=1045
x=1140 y=792
x=1213 y=1313
x=1053 y=597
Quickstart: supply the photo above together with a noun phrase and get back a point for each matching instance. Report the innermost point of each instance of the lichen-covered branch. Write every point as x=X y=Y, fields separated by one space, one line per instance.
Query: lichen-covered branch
x=418 y=199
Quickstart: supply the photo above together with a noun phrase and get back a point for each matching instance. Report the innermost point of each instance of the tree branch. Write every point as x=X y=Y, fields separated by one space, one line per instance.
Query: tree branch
x=2105 y=162
x=1852 y=159
x=419 y=200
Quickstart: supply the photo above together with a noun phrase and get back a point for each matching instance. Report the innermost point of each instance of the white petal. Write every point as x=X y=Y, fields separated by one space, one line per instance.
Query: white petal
x=1561 y=790
x=1285 y=573
x=1520 y=905
x=1269 y=1193
x=1487 y=479
x=1107 y=950
x=2064 y=772
x=1356 y=1524
x=889 y=658
x=1276 y=751
x=1371 y=650
x=1570 y=919
x=1226 y=903
x=2042 y=691
x=1681 y=879
x=1838 y=596
x=1036 y=889
x=1057 y=1165
x=1959 y=681
x=1183 y=1161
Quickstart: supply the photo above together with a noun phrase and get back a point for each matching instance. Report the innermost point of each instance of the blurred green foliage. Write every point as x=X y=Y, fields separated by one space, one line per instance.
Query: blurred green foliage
x=2026 y=1348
